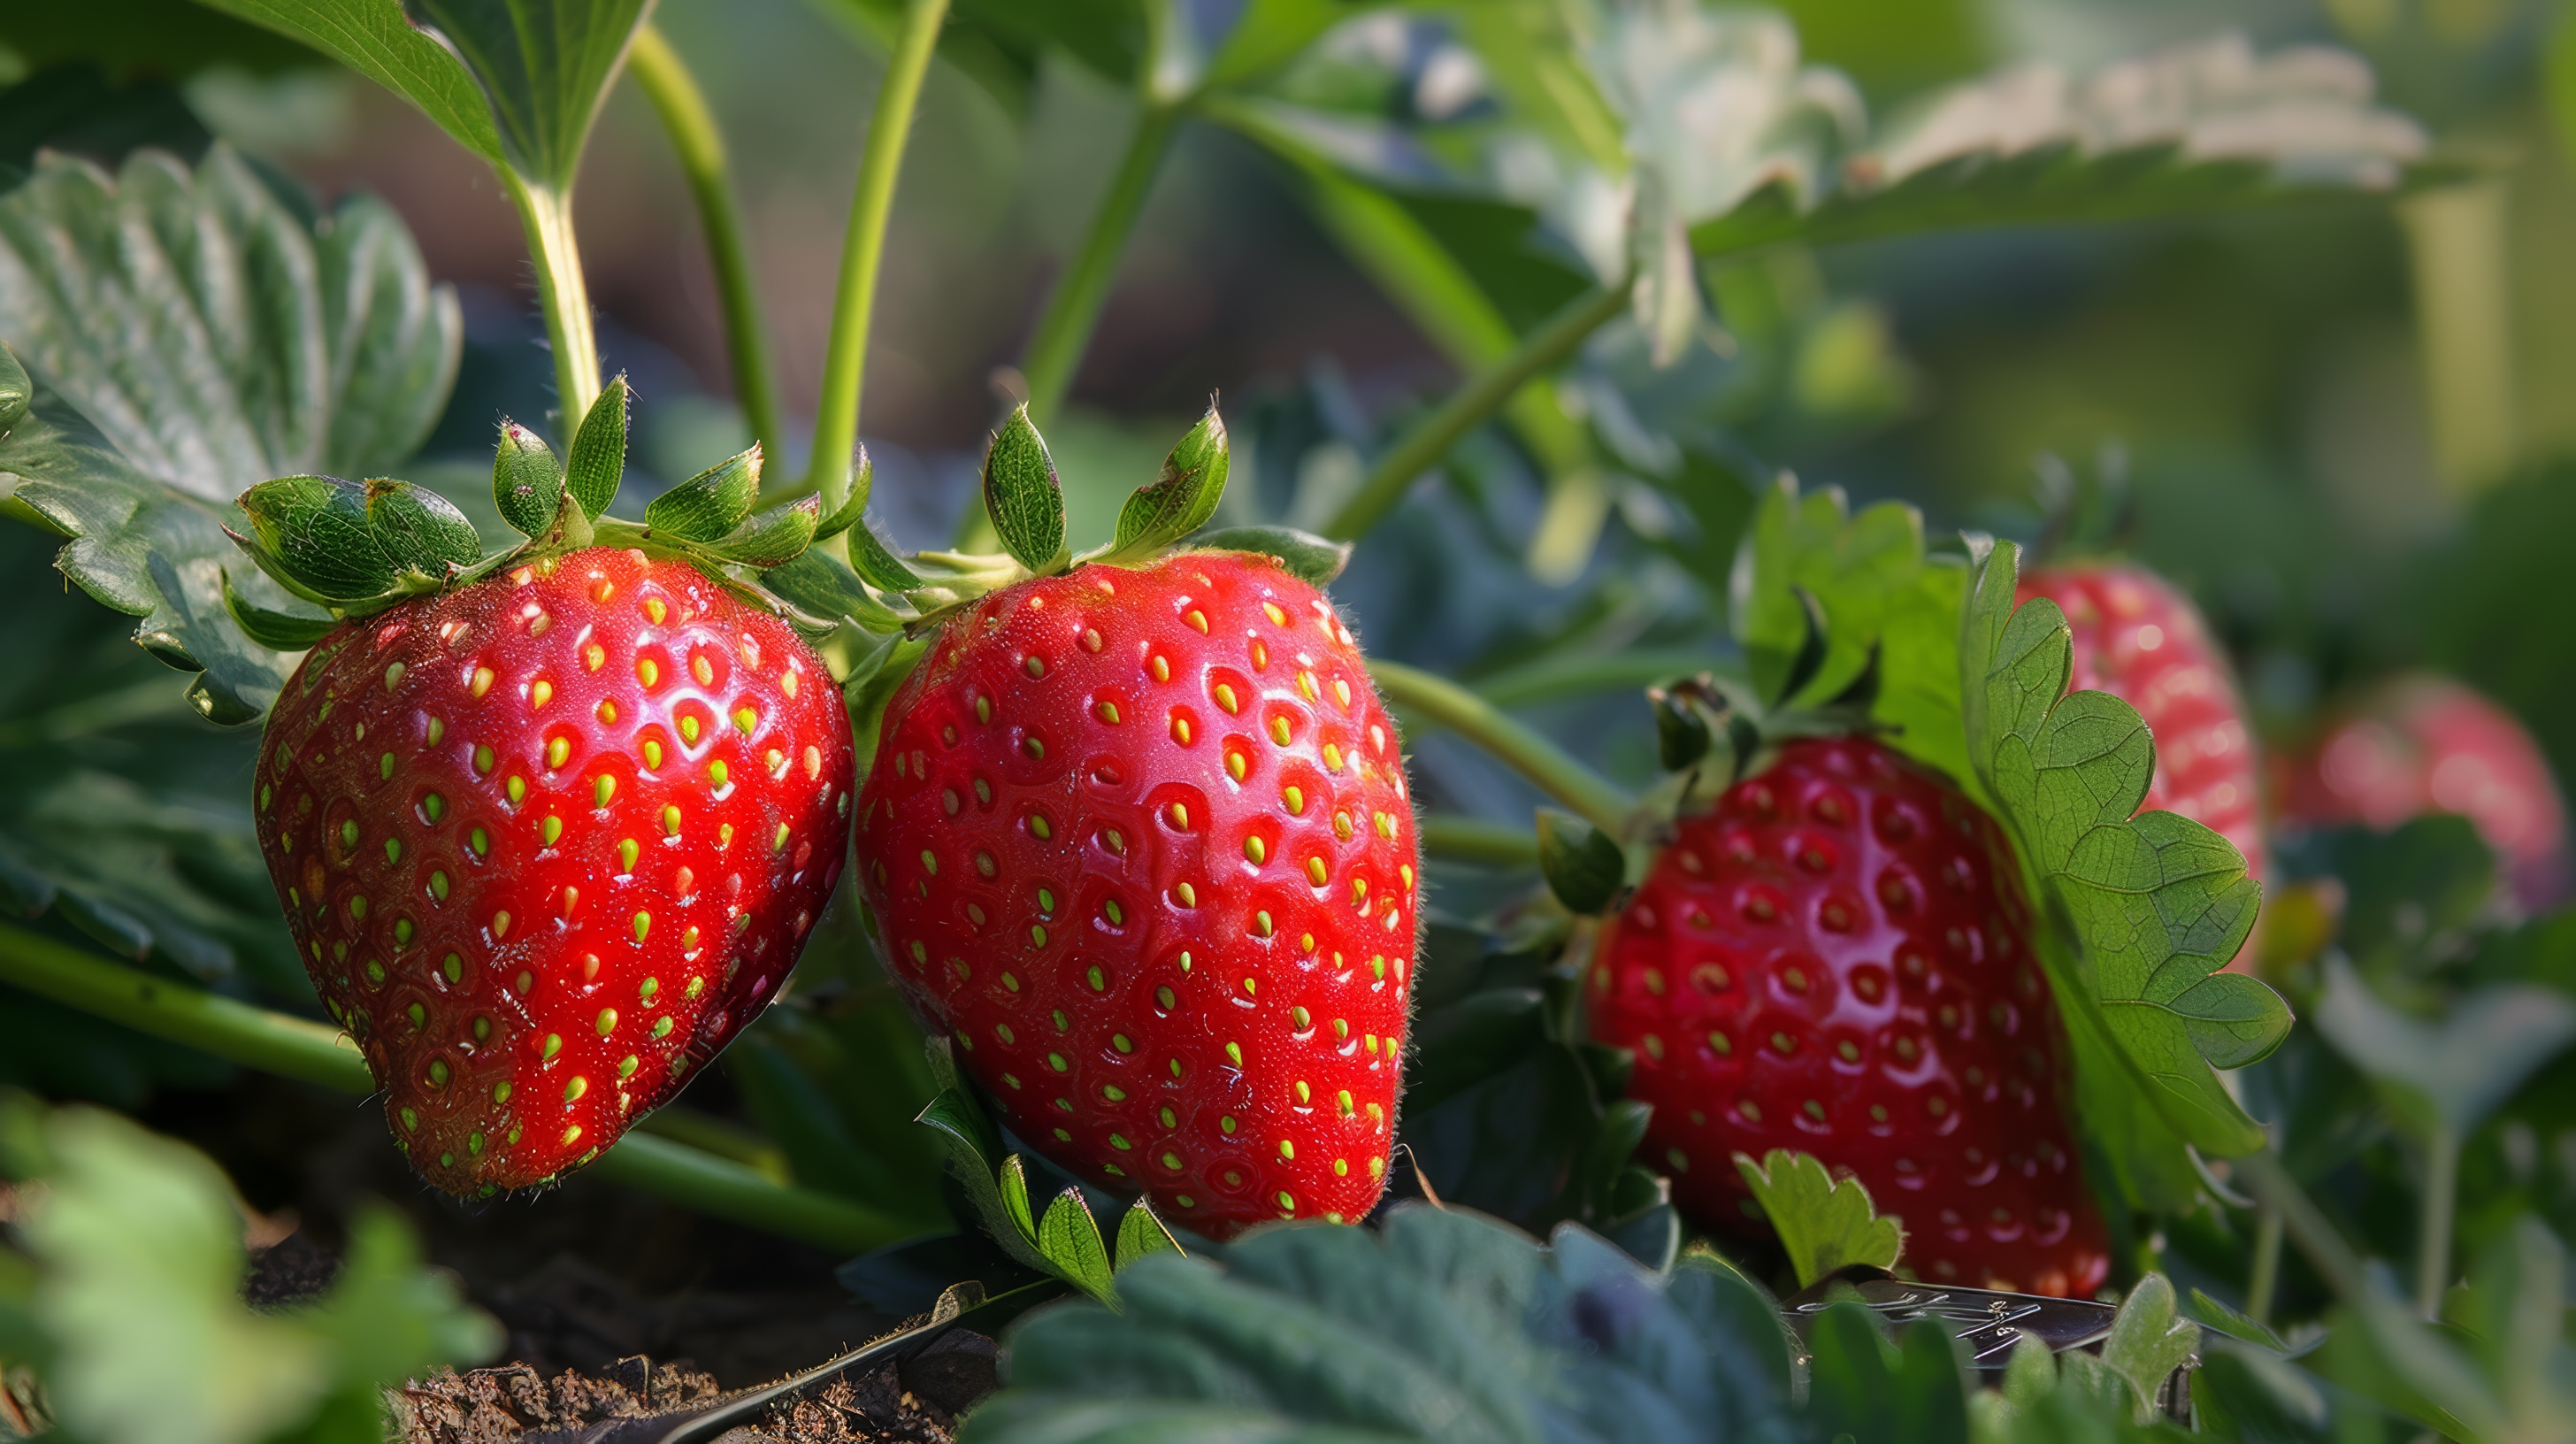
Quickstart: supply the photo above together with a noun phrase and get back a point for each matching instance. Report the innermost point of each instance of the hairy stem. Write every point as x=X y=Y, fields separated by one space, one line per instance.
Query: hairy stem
x=700 y=148
x=2266 y=1282
x=313 y=1053
x=546 y=214
x=1556 y=772
x=1583 y=673
x=1468 y=406
x=1453 y=838
x=845 y=363
x=2441 y=1206
x=1063 y=333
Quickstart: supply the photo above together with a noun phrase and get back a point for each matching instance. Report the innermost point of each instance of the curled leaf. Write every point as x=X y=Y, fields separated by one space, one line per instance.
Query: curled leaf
x=711 y=503
x=1582 y=864
x=1181 y=499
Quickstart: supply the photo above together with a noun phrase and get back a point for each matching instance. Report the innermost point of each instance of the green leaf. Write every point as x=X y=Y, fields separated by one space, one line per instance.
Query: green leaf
x=282 y=631
x=16 y=390
x=1181 y=499
x=1070 y=1241
x=1823 y=1225
x=853 y=510
x=124 y=813
x=1308 y=557
x=2447 y=1075
x=515 y=81
x=773 y=538
x=346 y=541
x=598 y=458
x=1269 y=33
x=2148 y=1341
x=1862 y=1386
x=1014 y=1184
x=2155 y=903
x=1879 y=592
x=1023 y=497
x=1443 y=1325
x=711 y=503
x=1582 y=864
x=874 y=561
x=1000 y=1202
x=2234 y=1323
x=2185 y=130
x=527 y=485
x=139 y=1260
x=1141 y=1233
x=191 y=336
x=2500 y=1371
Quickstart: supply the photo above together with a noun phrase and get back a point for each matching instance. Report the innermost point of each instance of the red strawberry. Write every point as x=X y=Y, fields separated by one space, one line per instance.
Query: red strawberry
x=1139 y=840
x=1836 y=960
x=2421 y=743
x=547 y=841
x=2143 y=642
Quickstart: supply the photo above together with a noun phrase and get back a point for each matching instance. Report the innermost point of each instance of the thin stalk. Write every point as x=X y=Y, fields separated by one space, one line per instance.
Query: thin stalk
x=1468 y=407
x=845 y=363
x=2441 y=1206
x=2266 y=1282
x=1472 y=839
x=1063 y=333
x=315 y=1053
x=2325 y=1248
x=1585 y=673
x=700 y=148
x=546 y=213
x=1444 y=703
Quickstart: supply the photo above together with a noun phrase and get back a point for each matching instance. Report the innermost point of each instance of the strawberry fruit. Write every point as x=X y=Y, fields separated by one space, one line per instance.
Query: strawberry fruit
x=550 y=831
x=2420 y=743
x=1138 y=838
x=2142 y=641
x=1836 y=960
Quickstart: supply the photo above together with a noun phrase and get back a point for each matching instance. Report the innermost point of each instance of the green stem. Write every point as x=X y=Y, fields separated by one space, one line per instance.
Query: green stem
x=845 y=363
x=1444 y=703
x=546 y=213
x=2266 y=1283
x=2441 y=1205
x=1467 y=407
x=1063 y=333
x=2308 y=1228
x=700 y=148
x=1584 y=673
x=314 y=1053
x=1472 y=839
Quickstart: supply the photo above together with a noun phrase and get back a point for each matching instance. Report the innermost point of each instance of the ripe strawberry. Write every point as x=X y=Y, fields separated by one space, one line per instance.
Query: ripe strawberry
x=547 y=840
x=1139 y=840
x=2421 y=743
x=1835 y=960
x=2143 y=642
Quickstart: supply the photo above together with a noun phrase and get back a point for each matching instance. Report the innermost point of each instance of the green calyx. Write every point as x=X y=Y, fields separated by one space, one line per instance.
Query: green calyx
x=355 y=548
x=873 y=589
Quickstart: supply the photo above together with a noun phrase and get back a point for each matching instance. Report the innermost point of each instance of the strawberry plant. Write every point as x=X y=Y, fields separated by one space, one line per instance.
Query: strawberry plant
x=1484 y=911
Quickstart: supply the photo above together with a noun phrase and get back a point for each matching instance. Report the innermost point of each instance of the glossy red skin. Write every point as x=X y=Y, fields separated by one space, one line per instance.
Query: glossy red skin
x=1003 y=874
x=659 y=961
x=2143 y=642
x=2421 y=744
x=1854 y=906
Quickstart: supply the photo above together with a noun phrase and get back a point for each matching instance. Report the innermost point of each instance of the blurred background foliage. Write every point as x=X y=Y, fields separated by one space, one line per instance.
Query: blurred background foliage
x=2348 y=427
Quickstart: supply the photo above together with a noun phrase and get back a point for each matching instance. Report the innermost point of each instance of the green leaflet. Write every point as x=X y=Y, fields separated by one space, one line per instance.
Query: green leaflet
x=1824 y=1225
x=343 y=541
x=527 y=485
x=520 y=85
x=1023 y=498
x=1445 y=1325
x=2505 y=1373
x=1065 y=1240
x=136 y=1239
x=2149 y=1340
x=1878 y=590
x=1862 y=1385
x=1308 y=557
x=597 y=462
x=2154 y=903
x=711 y=503
x=1181 y=499
x=1582 y=864
x=2444 y=1076
x=773 y=538
x=217 y=342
